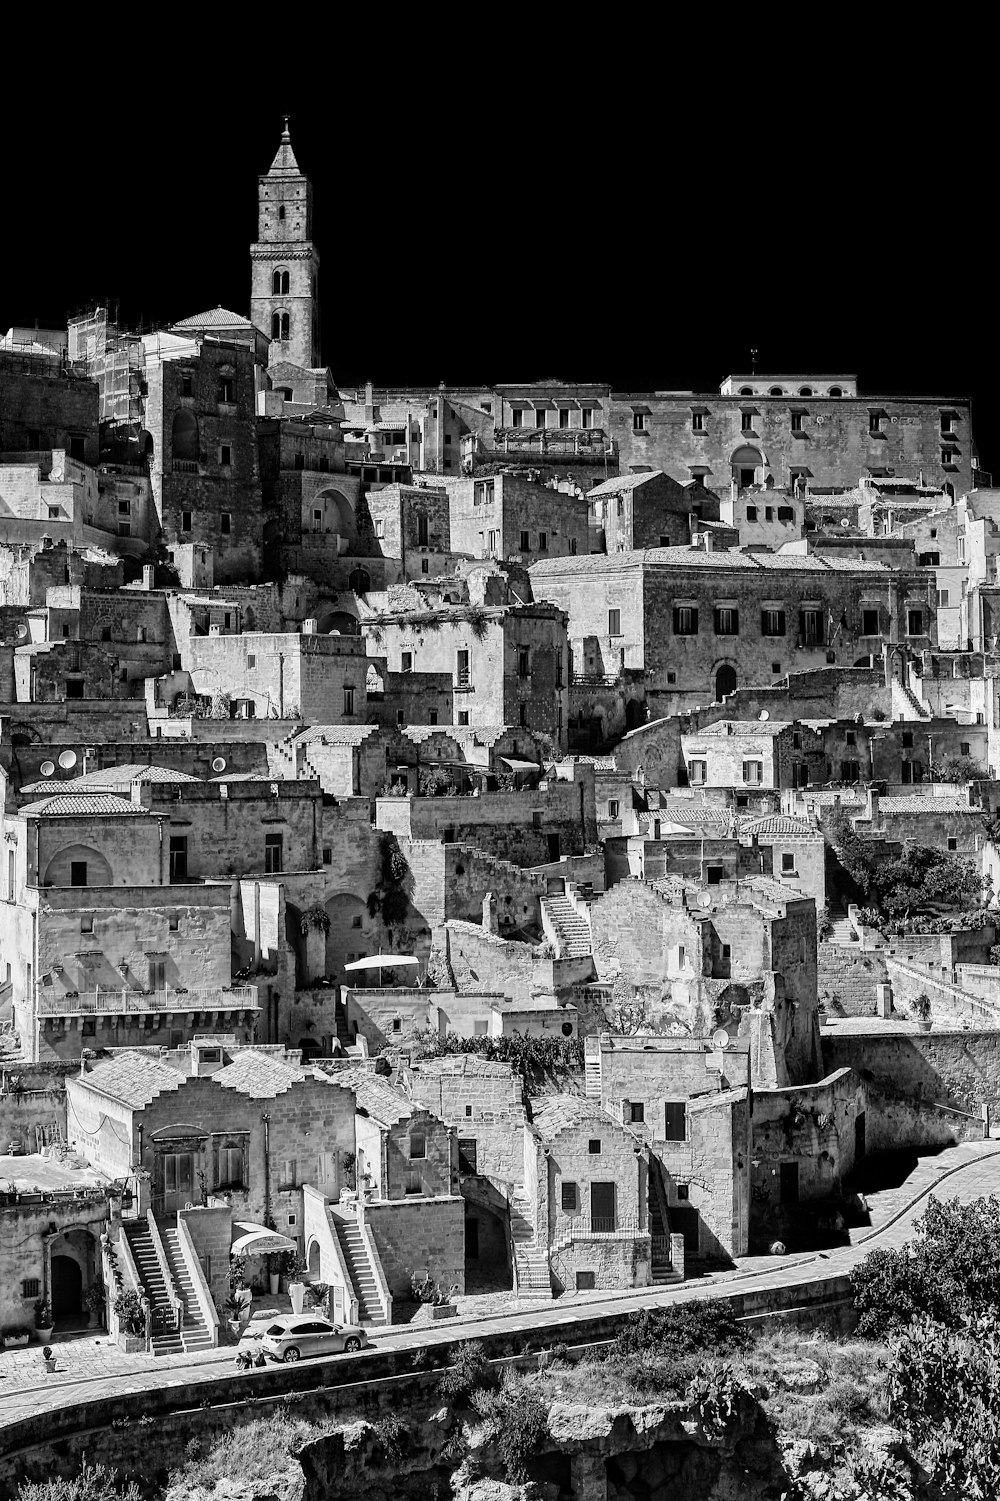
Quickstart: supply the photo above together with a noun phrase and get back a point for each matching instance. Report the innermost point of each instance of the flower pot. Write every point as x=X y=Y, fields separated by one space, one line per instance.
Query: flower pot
x=50 y=1365
x=44 y=1334
x=297 y=1293
x=274 y=1279
x=925 y=1026
x=15 y=1341
x=131 y=1344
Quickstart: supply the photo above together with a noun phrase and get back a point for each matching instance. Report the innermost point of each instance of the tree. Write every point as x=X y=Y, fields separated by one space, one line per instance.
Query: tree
x=944 y=1393
x=950 y=1271
x=960 y=769
x=923 y=874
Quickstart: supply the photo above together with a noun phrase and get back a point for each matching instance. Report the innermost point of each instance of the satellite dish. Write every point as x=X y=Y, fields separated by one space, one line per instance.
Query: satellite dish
x=764 y=716
x=844 y=521
x=67 y=760
x=720 y=1039
x=22 y=631
x=47 y=768
x=704 y=900
x=219 y=764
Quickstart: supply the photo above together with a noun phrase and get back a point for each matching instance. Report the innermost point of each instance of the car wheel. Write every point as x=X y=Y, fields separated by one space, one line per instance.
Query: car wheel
x=291 y=1355
x=350 y=1345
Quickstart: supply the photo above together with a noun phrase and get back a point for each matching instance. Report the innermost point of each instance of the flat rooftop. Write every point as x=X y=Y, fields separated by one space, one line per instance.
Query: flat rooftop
x=32 y=1172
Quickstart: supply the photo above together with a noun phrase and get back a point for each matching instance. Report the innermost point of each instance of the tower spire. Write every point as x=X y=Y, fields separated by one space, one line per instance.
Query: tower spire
x=284 y=164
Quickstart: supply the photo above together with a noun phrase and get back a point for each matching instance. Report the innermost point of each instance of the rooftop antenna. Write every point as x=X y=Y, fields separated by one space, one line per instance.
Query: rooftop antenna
x=753 y=362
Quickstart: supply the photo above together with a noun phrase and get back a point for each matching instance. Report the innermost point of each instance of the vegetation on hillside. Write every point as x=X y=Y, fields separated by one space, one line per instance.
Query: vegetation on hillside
x=921 y=876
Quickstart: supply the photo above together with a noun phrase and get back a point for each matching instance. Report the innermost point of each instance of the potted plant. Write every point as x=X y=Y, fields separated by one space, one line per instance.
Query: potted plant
x=296 y=1287
x=94 y=1301
x=237 y=1312
x=49 y=1358
x=131 y=1316
x=922 y=1011
x=274 y=1270
x=317 y=1296
x=14 y=1336
x=44 y=1320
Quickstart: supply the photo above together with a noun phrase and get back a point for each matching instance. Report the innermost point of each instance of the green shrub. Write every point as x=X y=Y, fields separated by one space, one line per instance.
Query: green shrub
x=517 y=1419
x=675 y=1333
x=392 y=1436
x=469 y=1371
x=93 y=1483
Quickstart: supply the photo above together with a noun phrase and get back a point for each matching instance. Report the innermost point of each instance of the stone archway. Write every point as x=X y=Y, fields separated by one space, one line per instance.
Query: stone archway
x=725 y=681
x=747 y=465
x=67 y=1288
x=72 y=1273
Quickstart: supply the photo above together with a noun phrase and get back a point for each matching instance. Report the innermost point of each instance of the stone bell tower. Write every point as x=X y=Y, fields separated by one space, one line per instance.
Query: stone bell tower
x=284 y=291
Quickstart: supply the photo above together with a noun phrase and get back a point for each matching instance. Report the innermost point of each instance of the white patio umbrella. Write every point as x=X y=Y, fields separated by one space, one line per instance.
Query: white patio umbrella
x=383 y=961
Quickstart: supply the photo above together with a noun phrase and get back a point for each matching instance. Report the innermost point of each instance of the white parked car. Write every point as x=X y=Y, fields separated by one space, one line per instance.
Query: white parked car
x=291 y=1337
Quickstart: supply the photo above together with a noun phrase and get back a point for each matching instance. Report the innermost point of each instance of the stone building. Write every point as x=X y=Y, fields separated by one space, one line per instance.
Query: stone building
x=699 y=624
x=737 y=955
x=283 y=675
x=44 y=408
x=201 y=444
x=403 y=1149
x=750 y=756
x=788 y=432
x=284 y=295
x=648 y=509
x=506 y=516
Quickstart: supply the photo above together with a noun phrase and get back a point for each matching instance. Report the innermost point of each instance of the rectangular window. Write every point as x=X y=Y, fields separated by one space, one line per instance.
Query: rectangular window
x=463 y=717
x=797 y=421
x=753 y=773
x=850 y=771
x=965 y=748
x=638 y=422
x=675 y=1120
x=614 y=622
x=564 y=416
x=746 y=422
x=949 y=457
x=612 y=808
x=468 y=1154
x=914 y=623
x=251 y=661
x=185 y=521
x=685 y=620
x=523 y=662
x=227 y=388
x=30 y=1287
x=697 y=422
x=637 y=1114
x=348 y=700
x=953 y=844
x=947 y=422
x=787 y=863
x=380 y=529
x=422 y=531
x=869 y=622
x=406 y=661
x=525 y=542
x=517 y=417
x=570 y=1197
x=751 y=513
x=187 y=384
x=229 y=1167
x=124 y=528
x=274 y=851
x=418 y=1147
x=727 y=621
x=86 y=923
x=78 y=873
x=772 y=622
x=178 y=858
x=811 y=626
x=288 y=1173
x=594 y=1146
x=697 y=772
x=543 y=541
x=225 y=455
x=586 y=417
x=226 y=523
x=463 y=668
x=875 y=422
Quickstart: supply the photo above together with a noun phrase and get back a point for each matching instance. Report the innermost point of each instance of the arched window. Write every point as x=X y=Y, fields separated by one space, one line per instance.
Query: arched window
x=805 y=390
x=776 y=391
x=284 y=283
x=281 y=211
x=836 y=391
x=746 y=390
x=279 y=283
x=284 y=325
x=275 y=325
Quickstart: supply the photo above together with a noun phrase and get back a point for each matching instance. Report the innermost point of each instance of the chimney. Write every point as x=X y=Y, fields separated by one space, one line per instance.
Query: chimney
x=706 y=537
x=147 y=576
x=871 y=797
x=309 y=627
x=215 y=630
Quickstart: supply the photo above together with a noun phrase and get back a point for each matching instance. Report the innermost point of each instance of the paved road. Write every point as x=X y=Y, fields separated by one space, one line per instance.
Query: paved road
x=93 y=1367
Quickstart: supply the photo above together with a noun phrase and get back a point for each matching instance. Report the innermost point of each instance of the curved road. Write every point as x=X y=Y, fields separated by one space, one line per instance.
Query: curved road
x=89 y=1368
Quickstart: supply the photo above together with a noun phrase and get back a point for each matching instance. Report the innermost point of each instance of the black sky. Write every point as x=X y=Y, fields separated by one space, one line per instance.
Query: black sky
x=642 y=210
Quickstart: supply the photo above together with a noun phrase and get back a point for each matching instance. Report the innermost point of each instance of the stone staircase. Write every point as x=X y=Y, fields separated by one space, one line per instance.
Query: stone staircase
x=572 y=931
x=194 y=1332
x=841 y=930
x=533 y=1277
x=907 y=702
x=140 y=1242
x=659 y=1229
x=358 y=1262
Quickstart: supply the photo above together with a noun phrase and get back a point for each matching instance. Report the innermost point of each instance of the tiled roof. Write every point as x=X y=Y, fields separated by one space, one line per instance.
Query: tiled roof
x=133 y=1078
x=338 y=734
x=373 y=1093
x=260 y=1075
x=216 y=317
x=697 y=557
x=693 y=817
x=848 y=797
x=778 y=823
x=769 y=890
x=915 y=803
x=626 y=482
x=745 y=729
x=112 y=776
x=85 y=805
x=552 y=1114
x=465 y=1065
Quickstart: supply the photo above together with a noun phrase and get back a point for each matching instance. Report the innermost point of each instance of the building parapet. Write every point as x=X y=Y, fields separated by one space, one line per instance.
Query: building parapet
x=127 y=1002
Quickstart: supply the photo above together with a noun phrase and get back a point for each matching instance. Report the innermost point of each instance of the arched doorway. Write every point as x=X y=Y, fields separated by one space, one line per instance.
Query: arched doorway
x=314 y=1260
x=725 y=682
x=748 y=466
x=635 y=714
x=184 y=437
x=67 y=1288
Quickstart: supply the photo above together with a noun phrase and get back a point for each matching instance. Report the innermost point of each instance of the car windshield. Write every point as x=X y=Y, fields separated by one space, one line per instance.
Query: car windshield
x=276 y=1329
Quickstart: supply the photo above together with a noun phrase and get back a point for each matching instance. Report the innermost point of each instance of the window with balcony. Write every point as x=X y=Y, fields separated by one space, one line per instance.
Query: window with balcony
x=586 y=417
x=517 y=417
x=564 y=416
x=811 y=625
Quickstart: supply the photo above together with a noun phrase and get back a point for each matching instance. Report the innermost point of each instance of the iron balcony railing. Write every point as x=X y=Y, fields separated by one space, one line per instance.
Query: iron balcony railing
x=127 y=1002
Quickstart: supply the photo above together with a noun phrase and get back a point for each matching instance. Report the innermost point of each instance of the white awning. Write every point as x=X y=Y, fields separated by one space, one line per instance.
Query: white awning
x=383 y=961
x=258 y=1240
